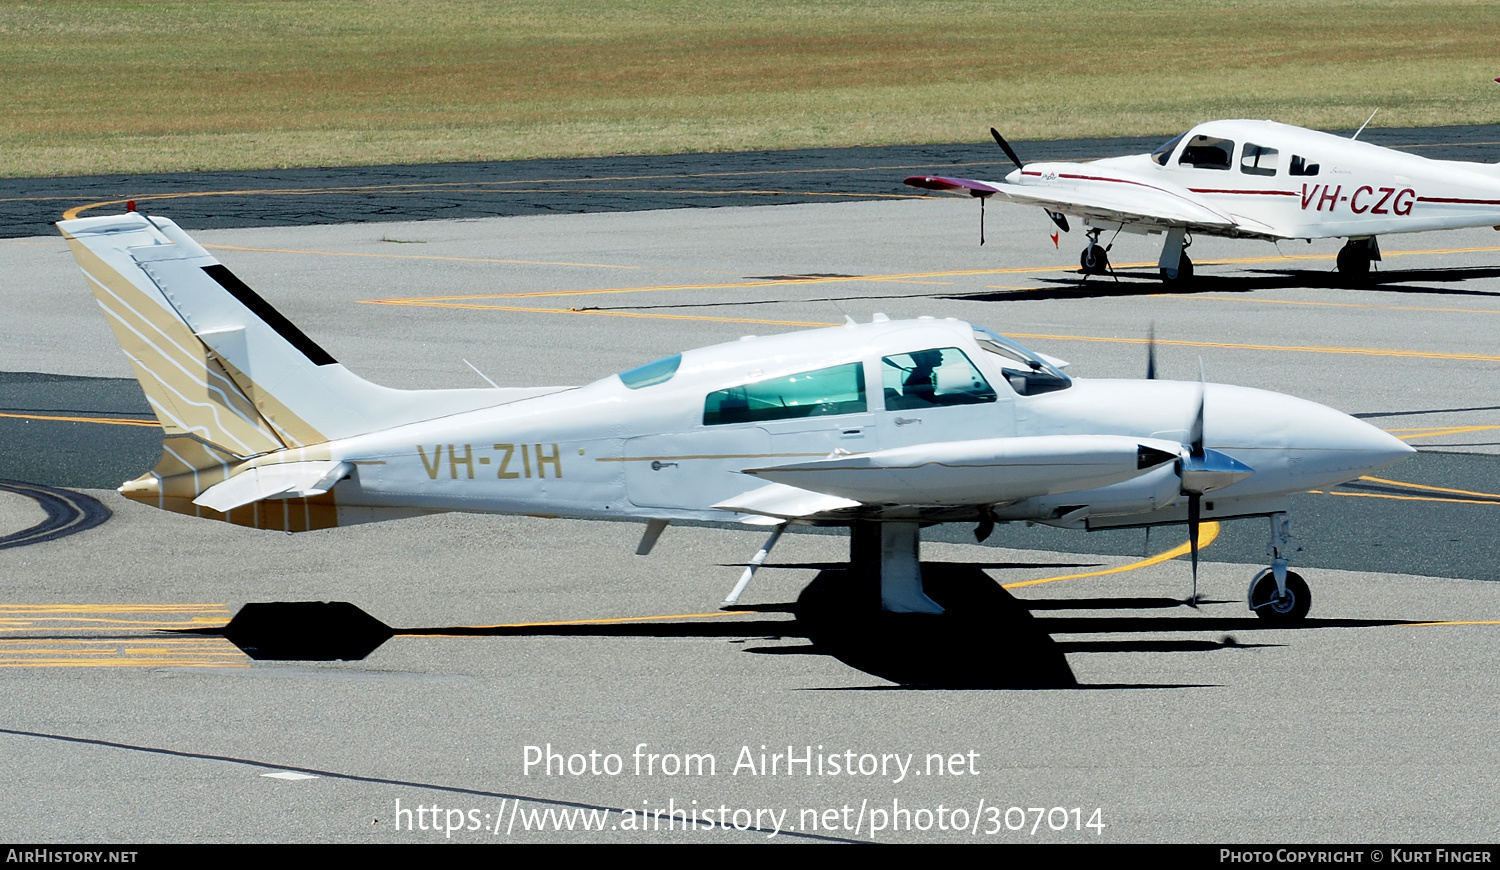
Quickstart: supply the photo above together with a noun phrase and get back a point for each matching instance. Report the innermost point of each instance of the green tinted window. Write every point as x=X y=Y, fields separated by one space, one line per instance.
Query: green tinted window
x=932 y=378
x=652 y=373
x=837 y=390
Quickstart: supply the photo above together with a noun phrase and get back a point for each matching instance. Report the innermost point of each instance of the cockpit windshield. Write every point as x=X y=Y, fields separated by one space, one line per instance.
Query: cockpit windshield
x=1034 y=375
x=1164 y=153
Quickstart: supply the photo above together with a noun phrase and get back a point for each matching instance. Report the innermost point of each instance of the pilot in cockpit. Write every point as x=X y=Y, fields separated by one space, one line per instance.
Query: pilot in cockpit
x=920 y=385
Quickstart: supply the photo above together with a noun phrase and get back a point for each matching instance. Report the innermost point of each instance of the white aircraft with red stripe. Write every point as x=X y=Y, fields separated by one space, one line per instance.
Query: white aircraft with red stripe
x=1250 y=179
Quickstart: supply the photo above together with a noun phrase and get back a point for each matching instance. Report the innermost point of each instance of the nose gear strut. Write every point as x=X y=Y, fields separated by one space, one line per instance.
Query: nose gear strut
x=1095 y=258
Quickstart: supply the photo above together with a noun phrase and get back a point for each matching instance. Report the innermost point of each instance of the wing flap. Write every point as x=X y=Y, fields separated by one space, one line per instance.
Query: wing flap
x=1126 y=204
x=785 y=502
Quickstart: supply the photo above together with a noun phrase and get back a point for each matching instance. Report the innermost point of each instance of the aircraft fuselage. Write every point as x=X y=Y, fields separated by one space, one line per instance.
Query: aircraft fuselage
x=607 y=449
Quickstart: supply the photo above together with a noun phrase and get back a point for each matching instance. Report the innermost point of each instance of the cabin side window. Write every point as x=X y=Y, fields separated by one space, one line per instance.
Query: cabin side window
x=1207 y=152
x=1300 y=166
x=1258 y=160
x=835 y=390
x=652 y=373
x=932 y=378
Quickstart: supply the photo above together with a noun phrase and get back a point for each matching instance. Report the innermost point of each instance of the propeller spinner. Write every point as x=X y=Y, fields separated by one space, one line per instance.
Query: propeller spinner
x=1057 y=217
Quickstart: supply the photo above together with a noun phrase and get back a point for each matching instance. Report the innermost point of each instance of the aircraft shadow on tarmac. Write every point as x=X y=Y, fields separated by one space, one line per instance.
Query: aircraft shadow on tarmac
x=987 y=639
x=1144 y=283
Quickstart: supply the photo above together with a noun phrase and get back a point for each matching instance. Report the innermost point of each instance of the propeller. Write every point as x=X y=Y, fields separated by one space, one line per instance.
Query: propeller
x=1005 y=146
x=1151 y=351
x=1204 y=470
x=1196 y=457
x=1150 y=376
x=1057 y=217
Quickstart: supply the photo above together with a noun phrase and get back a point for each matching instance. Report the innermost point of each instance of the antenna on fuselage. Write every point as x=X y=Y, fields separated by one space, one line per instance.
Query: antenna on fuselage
x=1363 y=126
x=482 y=375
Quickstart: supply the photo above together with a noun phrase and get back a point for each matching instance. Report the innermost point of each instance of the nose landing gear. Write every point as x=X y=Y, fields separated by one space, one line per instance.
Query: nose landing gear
x=1276 y=594
x=1274 y=605
x=1095 y=258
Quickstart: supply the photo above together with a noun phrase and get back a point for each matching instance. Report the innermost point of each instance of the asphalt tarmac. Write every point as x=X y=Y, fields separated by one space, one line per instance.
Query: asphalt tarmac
x=1372 y=723
x=305 y=197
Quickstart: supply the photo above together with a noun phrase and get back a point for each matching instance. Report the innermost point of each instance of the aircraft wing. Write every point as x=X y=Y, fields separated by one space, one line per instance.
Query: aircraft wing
x=1112 y=196
x=951 y=474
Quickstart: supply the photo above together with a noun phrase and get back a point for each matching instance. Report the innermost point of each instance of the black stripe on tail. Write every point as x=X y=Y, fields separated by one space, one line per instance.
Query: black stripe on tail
x=272 y=318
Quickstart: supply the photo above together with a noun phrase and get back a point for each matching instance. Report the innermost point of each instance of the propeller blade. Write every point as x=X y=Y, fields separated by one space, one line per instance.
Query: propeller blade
x=1005 y=146
x=1194 y=518
x=1151 y=352
x=1195 y=435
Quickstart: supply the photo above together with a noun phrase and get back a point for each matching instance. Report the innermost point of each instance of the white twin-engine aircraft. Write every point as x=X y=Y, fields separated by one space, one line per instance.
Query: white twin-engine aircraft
x=1250 y=179
x=883 y=427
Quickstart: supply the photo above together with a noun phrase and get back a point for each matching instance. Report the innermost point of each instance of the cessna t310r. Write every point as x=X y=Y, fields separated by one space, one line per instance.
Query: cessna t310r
x=1249 y=180
x=884 y=427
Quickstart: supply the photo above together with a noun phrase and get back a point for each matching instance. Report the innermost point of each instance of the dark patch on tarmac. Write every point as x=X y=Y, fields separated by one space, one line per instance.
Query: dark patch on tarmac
x=67 y=513
x=74 y=454
x=302 y=197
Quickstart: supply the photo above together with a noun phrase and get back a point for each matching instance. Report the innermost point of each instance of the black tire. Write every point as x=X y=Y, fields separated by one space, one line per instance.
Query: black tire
x=1094 y=260
x=1293 y=609
x=1184 y=273
x=1354 y=262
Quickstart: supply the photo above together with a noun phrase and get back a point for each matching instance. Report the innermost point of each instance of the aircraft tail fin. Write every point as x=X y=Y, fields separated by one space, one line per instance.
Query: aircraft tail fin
x=230 y=378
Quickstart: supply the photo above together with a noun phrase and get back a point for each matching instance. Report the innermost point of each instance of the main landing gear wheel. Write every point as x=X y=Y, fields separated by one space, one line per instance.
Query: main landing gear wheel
x=1184 y=273
x=1290 y=608
x=1094 y=260
x=1354 y=262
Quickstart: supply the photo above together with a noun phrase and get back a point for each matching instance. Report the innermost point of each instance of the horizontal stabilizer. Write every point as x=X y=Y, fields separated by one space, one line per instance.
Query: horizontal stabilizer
x=787 y=502
x=284 y=480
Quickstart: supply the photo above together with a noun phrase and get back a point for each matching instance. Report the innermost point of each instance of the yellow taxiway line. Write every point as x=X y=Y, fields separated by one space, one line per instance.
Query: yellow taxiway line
x=512 y=186
x=498 y=187
x=1208 y=532
x=602 y=621
x=1438 y=431
x=1425 y=487
x=108 y=421
x=1280 y=348
x=1488 y=498
x=369 y=255
x=1190 y=298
